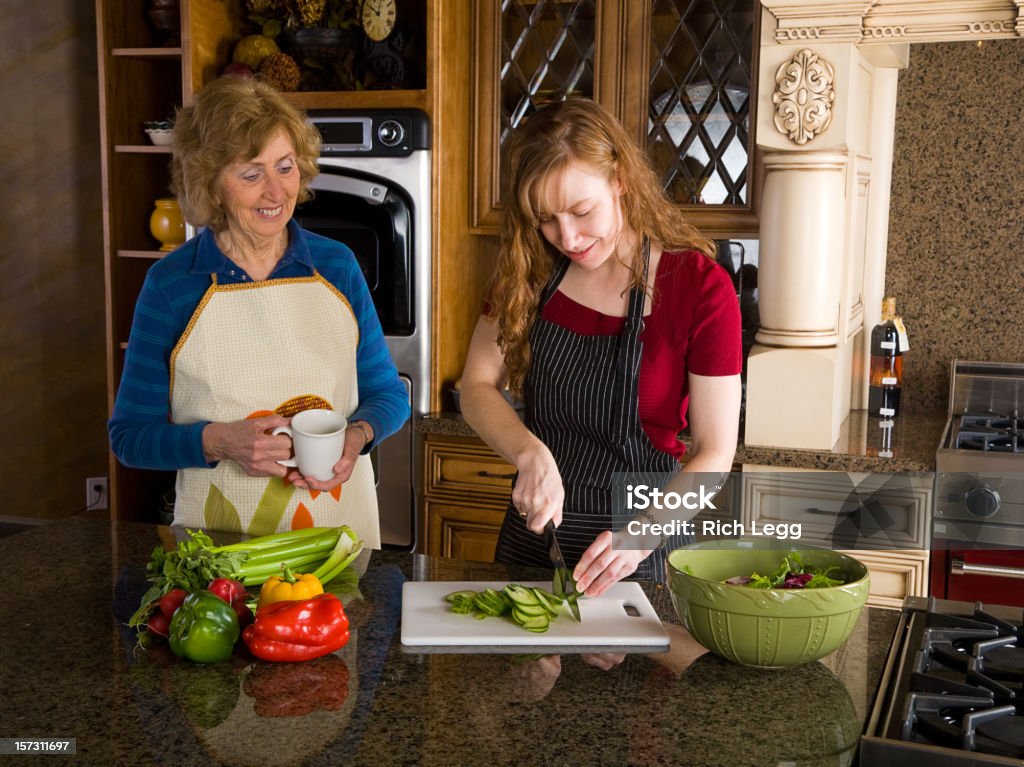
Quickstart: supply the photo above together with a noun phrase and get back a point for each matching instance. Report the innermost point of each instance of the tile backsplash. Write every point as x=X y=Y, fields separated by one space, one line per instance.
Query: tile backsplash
x=956 y=224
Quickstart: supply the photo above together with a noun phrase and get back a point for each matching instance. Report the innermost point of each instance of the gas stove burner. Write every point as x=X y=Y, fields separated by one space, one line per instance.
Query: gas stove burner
x=965 y=722
x=1007 y=729
x=992 y=443
x=990 y=433
x=989 y=651
x=956 y=689
x=995 y=731
x=990 y=421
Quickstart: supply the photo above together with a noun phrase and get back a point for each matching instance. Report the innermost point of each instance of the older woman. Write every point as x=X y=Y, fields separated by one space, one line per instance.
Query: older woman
x=249 y=322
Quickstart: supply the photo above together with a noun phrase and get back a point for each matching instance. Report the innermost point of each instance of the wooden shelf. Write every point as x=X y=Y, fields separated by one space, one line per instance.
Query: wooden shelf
x=147 y=53
x=154 y=255
x=359 y=100
x=141 y=149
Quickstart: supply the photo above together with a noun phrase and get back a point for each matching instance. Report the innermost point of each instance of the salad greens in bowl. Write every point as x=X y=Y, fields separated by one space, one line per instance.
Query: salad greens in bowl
x=762 y=603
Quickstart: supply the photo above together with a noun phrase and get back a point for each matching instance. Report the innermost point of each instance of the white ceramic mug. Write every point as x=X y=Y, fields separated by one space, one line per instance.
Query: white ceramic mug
x=318 y=438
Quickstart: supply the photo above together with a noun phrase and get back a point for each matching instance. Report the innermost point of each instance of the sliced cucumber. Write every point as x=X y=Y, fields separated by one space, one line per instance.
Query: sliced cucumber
x=530 y=607
x=550 y=605
x=457 y=596
x=521 y=595
x=537 y=623
x=553 y=598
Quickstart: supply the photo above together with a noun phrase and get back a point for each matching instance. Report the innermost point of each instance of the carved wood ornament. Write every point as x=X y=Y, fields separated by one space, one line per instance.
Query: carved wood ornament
x=803 y=96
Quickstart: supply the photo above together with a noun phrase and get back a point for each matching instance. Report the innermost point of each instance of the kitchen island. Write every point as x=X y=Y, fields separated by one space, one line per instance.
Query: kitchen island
x=71 y=670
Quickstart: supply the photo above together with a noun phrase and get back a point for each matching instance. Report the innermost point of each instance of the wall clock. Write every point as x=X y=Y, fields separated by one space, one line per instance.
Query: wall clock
x=378 y=18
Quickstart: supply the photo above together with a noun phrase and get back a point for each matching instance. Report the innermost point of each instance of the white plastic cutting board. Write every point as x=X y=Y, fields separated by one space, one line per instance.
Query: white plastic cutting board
x=429 y=624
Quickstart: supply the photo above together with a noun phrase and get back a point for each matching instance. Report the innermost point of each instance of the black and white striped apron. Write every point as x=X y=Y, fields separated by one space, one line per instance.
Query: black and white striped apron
x=581 y=397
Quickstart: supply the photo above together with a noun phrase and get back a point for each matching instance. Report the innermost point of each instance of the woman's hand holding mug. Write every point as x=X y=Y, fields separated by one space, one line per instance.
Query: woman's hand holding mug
x=318 y=439
x=326 y=449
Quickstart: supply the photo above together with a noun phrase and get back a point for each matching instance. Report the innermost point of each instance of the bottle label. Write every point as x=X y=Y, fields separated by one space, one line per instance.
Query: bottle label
x=902 y=330
x=887 y=381
x=886 y=411
x=887 y=344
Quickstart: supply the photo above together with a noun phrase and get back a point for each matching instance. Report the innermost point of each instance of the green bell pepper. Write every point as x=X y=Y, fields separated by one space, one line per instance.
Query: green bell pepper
x=204 y=629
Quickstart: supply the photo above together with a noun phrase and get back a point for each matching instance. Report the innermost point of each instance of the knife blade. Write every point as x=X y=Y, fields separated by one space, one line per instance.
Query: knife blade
x=563 y=584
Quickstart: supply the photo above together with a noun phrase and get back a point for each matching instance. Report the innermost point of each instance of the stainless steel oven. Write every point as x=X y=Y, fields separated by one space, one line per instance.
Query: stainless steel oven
x=978 y=520
x=373 y=194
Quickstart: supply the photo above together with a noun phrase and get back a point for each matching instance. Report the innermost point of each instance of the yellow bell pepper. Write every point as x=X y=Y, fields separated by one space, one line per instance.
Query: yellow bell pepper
x=289 y=587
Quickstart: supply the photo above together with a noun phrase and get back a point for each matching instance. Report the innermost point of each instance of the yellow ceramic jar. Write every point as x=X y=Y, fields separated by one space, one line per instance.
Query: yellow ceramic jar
x=167 y=224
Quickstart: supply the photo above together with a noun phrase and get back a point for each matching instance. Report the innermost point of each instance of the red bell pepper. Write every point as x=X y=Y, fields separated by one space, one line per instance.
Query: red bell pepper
x=298 y=630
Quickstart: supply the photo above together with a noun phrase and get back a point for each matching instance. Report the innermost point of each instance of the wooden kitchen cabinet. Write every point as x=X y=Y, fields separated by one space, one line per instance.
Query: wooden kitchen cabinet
x=894 y=513
x=214 y=26
x=681 y=76
x=467 y=490
x=140 y=80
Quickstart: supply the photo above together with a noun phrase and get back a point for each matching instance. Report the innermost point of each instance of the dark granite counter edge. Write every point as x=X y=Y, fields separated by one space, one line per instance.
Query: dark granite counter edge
x=914 y=439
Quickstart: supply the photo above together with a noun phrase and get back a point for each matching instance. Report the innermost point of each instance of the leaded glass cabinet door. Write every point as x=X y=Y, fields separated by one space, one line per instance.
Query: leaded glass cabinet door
x=531 y=52
x=679 y=73
x=700 y=102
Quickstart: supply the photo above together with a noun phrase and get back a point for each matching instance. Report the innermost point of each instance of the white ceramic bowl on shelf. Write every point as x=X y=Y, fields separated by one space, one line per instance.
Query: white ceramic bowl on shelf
x=160 y=136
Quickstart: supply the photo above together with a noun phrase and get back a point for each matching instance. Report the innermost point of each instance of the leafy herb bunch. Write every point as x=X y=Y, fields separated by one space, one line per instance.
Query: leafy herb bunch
x=191 y=566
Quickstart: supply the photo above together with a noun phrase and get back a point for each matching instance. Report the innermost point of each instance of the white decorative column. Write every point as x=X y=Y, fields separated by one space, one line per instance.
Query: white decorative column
x=816 y=111
x=826 y=108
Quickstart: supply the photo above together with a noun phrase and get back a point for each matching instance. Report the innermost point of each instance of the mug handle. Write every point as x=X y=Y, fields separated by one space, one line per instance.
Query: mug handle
x=289 y=462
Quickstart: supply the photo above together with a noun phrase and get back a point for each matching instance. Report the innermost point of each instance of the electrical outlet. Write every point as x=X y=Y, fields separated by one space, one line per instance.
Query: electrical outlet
x=96 y=493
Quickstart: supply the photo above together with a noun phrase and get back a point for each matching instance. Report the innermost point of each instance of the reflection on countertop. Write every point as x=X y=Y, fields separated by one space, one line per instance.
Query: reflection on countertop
x=862 y=446
x=71 y=669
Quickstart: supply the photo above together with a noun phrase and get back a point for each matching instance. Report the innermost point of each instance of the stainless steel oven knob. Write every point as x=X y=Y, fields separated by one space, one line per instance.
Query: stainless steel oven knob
x=982 y=501
x=390 y=133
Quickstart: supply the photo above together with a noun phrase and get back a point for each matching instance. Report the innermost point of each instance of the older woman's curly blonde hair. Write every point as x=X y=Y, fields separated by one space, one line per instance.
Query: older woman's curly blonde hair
x=574 y=130
x=232 y=120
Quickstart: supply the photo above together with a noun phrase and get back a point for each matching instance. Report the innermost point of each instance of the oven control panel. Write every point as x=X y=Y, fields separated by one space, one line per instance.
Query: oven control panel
x=371 y=132
x=980 y=507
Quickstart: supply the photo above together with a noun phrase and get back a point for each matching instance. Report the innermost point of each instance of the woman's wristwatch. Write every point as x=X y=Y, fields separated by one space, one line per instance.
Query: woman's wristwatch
x=361 y=425
x=651 y=520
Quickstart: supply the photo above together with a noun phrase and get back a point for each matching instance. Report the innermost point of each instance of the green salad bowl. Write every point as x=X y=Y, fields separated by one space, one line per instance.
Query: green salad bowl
x=766 y=628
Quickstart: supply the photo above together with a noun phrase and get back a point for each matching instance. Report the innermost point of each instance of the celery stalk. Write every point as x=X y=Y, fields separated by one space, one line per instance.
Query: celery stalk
x=274 y=539
x=339 y=568
x=322 y=544
x=345 y=551
x=259 y=574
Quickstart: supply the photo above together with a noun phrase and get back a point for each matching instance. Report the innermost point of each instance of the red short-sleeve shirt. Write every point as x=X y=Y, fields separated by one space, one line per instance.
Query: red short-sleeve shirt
x=694 y=326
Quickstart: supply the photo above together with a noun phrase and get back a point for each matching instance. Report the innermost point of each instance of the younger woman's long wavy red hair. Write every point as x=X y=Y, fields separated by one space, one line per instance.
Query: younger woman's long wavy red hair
x=574 y=130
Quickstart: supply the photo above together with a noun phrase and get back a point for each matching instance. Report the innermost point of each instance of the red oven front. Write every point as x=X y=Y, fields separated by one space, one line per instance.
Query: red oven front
x=990 y=575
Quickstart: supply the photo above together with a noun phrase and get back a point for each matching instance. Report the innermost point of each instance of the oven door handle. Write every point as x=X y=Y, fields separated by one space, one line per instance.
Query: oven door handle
x=373 y=193
x=959 y=567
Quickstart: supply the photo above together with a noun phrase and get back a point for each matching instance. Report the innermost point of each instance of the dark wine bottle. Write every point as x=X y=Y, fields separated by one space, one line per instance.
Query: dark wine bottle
x=886 y=370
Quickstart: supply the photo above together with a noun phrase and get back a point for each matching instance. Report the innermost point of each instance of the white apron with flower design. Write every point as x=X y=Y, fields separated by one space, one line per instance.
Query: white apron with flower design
x=255 y=348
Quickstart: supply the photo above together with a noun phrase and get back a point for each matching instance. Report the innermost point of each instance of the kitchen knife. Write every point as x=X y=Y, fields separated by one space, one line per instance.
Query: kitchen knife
x=563 y=584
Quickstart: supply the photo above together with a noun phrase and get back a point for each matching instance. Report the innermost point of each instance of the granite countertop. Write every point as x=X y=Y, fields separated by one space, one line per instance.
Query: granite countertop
x=71 y=669
x=861 y=446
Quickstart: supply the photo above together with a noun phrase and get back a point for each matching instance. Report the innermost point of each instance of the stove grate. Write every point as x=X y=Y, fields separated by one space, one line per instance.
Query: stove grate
x=990 y=433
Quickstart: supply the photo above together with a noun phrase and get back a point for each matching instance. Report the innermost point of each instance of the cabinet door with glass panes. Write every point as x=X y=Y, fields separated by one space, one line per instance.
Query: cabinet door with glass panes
x=678 y=73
